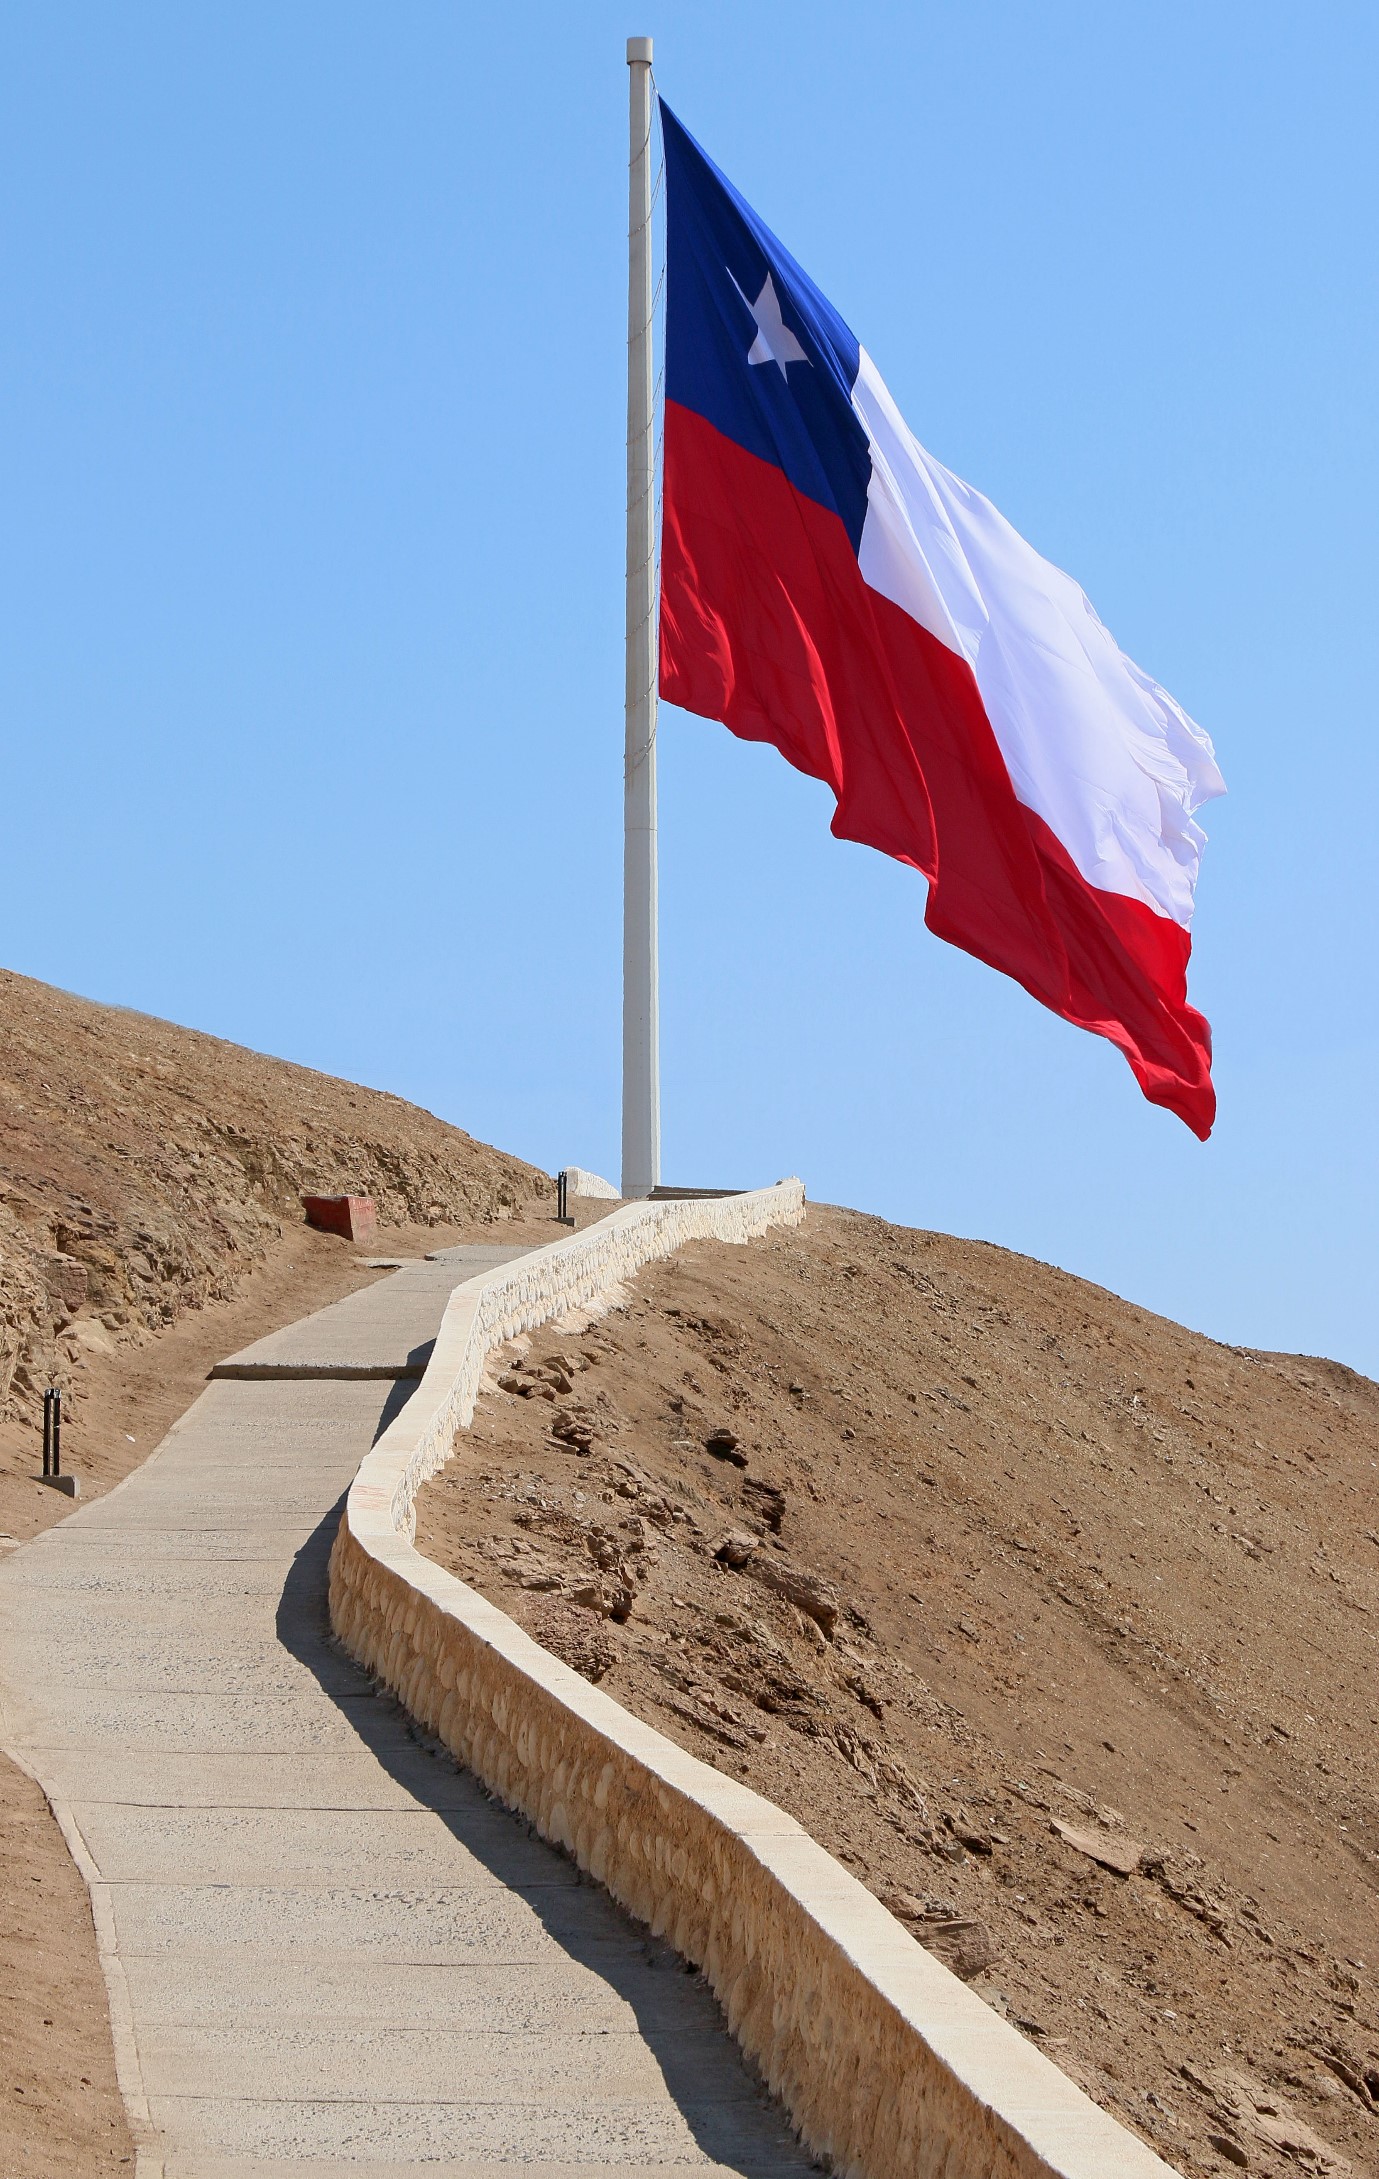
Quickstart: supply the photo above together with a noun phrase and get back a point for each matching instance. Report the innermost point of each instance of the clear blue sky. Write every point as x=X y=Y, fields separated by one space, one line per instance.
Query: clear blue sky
x=311 y=380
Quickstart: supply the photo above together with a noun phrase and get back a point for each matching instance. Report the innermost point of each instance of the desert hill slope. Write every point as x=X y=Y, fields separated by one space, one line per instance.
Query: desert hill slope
x=941 y=1548
x=146 y=1169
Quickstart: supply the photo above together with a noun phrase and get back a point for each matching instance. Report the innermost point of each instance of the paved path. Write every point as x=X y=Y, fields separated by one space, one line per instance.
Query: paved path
x=385 y=1330
x=329 y=1951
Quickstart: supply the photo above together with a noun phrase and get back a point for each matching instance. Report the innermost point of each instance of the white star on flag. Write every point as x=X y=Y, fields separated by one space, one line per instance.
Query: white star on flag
x=775 y=343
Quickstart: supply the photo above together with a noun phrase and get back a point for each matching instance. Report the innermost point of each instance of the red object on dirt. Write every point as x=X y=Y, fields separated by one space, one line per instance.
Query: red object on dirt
x=354 y=1216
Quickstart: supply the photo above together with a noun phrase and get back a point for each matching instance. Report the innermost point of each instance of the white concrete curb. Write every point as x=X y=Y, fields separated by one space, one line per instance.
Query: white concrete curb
x=884 y=2059
x=580 y=1181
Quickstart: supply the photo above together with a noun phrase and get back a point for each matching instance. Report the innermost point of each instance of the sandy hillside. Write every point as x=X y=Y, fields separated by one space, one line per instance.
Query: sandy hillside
x=1055 y=1621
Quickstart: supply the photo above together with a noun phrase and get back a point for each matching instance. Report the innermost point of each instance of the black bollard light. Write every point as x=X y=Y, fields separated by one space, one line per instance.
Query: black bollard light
x=52 y=1431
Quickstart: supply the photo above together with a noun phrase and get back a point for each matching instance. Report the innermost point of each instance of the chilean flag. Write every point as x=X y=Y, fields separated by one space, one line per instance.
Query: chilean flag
x=828 y=587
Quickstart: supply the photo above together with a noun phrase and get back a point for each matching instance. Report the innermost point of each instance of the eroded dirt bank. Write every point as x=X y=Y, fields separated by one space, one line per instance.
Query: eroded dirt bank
x=944 y=1550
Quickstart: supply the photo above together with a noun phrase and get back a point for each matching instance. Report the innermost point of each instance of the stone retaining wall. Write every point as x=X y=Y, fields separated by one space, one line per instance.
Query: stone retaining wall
x=885 y=2060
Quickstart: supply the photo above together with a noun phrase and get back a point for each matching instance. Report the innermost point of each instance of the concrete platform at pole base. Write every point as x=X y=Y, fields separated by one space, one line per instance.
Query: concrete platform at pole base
x=328 y=1951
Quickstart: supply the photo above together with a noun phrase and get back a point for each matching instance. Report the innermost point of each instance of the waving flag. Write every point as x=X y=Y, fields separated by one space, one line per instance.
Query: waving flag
x=830 y=588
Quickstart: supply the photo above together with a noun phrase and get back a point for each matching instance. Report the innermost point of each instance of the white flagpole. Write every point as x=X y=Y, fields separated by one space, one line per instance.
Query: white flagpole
x=641 y=1057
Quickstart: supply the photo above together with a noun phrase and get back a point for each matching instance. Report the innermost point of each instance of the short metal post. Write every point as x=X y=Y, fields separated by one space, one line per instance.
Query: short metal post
x=48 y=1431
x=57 y=1431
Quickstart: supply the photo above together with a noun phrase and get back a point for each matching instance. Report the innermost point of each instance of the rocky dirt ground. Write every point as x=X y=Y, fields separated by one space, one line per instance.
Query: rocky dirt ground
x=150 y=1223
x=1056 y=1622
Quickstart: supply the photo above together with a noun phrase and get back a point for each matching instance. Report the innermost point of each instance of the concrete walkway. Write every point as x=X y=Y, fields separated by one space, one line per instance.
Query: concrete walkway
x=328 y=1951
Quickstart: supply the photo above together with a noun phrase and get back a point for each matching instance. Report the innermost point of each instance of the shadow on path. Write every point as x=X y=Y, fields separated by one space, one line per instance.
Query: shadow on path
x=729 y=2114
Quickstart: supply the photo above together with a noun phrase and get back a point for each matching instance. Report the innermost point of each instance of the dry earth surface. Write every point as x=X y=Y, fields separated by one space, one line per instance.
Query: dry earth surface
x=150 y=1223
x=1056 y=1622
x=62 y=2113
